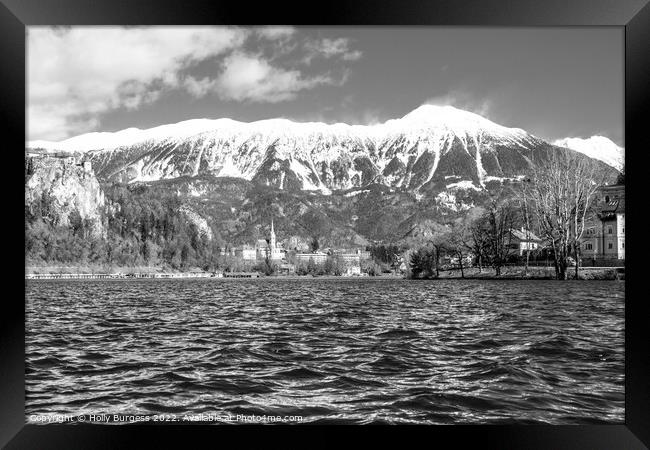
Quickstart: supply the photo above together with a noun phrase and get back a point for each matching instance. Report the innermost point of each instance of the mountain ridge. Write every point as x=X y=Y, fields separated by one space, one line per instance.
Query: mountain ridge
x=596 y=147
x=193 y=127
x=430 y=149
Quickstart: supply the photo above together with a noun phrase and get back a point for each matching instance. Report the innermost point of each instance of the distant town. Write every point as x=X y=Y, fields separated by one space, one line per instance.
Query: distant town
x=603 y=245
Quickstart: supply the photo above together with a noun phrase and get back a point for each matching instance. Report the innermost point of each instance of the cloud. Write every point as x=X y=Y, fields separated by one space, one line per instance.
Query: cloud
x=247 y=77
x=76 y=74
x=463 y=100
x=89 y=70
x=328 y=48
x=276 y=32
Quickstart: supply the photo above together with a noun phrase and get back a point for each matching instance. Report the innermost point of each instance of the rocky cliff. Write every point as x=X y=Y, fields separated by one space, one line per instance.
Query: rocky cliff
x=65 y=190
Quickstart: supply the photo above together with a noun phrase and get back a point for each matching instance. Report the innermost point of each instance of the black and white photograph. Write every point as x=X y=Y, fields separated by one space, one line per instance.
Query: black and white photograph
x=325 y=225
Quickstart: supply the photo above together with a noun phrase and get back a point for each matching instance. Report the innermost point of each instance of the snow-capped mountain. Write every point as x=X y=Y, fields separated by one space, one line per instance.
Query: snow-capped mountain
x=596 y=147
x=432 y=146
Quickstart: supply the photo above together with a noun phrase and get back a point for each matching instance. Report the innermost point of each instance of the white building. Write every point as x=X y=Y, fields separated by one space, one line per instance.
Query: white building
x=317 y=257
x=353 y=256
x=353 y=270
x=604 y=235
x=524 y=240
x=248 y=253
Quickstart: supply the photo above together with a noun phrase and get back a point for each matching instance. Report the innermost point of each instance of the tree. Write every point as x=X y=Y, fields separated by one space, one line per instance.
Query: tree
x=332 y=265
x=527 y=224
x=459 y=240
x=422 y=263
x=266 y=266
x=338 y=265
x=500 y=219
x=46 y=208
x=437 y=237
x=620 y=179
x=314 y=244
x=586 y=178
x=387 y=255
x=301 y=269
x=77 y=224
x=561 y=190
x=150 y=252
x=479 y=235
x=311 y=266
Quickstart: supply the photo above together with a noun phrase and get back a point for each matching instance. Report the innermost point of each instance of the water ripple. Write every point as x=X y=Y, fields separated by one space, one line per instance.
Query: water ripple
x=333 y=351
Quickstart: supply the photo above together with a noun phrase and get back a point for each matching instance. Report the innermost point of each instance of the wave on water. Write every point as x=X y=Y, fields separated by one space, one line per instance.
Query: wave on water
x=376 y=352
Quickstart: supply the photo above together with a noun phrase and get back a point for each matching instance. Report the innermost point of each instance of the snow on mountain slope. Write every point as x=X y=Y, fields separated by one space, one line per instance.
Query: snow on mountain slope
x=129 y=136
x=414 y=152
x=596 y=147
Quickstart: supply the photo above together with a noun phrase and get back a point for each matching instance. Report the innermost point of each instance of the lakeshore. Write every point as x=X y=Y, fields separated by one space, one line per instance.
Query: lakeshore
x=533 y=273
x=471 y=273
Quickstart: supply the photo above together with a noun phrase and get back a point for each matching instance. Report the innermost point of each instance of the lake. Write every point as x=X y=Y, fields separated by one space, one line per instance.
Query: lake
x=331 y=351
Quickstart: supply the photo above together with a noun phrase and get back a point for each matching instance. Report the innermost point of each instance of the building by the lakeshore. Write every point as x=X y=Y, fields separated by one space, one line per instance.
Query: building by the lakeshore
x=248 y=253
x=454 y=260
x=259 y=251
x=350 y=260
x=524 y=240
x=352 y=270
x=316 y=257
x=286 y=269
x=604 y=234
x=348 y=257
x=356 y=255
x=271 y=249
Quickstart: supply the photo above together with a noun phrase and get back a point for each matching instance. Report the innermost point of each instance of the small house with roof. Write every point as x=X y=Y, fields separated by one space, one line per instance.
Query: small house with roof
x=524 y=240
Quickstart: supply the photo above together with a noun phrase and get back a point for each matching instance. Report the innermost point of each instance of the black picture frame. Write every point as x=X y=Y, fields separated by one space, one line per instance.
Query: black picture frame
x=633 y=15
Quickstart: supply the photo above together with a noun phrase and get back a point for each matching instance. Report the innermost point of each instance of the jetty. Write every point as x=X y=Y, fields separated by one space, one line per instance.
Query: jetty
x=240 y=275
x=63 y=276
x=102 y=276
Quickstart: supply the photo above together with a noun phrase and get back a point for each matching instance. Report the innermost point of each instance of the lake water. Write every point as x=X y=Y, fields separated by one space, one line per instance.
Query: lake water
x=348 y=350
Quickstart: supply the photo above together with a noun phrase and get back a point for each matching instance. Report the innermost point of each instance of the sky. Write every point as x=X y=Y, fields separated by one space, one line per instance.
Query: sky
x=552 y=82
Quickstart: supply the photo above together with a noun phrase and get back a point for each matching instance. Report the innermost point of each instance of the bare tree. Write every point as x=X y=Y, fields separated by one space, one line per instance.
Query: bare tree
x=455 y=242
x=440 y=243
x=477 y=235
x=527 y=225
x=468 y=235
x=500 y=219
x=586 y=178
x=561 y=190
